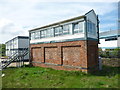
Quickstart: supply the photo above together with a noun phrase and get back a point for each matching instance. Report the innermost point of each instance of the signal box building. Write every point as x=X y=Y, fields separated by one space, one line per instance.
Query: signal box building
x=67 y=45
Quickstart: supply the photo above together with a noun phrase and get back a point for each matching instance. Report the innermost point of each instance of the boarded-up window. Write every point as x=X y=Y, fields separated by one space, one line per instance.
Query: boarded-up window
x=51 y=55
x=37 y=54
x=71 y=56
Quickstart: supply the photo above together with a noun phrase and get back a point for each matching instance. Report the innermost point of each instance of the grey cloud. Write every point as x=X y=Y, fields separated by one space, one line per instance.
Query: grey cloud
x=9 y=29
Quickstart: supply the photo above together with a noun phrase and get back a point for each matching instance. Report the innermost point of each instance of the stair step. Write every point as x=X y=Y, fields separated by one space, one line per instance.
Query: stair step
x=15 y=57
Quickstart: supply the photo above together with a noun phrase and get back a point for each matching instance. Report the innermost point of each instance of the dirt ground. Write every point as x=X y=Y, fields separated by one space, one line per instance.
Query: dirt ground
x=14 y=64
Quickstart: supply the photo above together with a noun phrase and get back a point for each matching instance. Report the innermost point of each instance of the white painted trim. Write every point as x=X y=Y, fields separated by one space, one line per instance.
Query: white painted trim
x=59 y=38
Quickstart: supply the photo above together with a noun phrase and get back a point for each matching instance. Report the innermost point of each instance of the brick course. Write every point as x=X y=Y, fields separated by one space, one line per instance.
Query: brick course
x=73 y=55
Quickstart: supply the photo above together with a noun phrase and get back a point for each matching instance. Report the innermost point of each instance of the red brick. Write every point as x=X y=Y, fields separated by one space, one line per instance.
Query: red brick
x=75 y=54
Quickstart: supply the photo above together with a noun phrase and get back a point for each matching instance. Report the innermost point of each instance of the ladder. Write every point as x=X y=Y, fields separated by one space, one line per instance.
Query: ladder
x=16 y=57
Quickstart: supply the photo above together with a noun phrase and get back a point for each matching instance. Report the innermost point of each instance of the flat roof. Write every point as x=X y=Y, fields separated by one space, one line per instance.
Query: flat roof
x=109 y=33
x=25 y=37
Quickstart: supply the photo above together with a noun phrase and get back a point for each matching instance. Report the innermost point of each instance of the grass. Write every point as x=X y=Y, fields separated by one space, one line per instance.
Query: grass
x=37 y=77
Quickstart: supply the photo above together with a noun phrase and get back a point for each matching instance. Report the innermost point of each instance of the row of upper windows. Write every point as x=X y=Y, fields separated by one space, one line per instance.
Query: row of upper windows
x=12 y=42
x=63 y=30
x=57 y=31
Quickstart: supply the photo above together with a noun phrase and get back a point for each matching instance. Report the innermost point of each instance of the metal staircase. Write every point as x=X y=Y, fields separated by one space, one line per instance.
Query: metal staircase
x=16 y=57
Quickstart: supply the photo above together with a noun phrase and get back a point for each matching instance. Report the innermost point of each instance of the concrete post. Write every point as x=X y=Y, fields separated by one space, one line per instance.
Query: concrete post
x=100 y=63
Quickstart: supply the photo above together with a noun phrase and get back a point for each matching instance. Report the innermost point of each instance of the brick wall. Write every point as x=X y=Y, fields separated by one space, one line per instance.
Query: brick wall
x=92 y=55
x=73 y=55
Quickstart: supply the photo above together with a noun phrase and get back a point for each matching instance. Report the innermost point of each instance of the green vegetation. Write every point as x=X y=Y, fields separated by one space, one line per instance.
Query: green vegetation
x=2 y=50
x=110 y=53
x=37 y=77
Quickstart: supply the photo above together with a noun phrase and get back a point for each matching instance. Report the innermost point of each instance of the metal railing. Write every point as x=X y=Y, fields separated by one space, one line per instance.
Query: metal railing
x=16 y=57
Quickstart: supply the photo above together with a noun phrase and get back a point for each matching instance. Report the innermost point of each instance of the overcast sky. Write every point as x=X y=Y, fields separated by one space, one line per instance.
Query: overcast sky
x=19 y=16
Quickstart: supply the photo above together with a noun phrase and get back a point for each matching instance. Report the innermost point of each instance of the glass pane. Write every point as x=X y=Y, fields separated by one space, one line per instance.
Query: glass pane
x=37 y=35
x=49 y=33
x=91 y=27
x=81 y=27
x=58 y=31
x=66 y=29
x=76 y=28
x=43 y=34
x=32 y=36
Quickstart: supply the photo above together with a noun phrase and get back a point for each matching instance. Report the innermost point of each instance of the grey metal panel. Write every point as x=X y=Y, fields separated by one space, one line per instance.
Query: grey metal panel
x=23 y=43
x=109 y=33
x=118 y=42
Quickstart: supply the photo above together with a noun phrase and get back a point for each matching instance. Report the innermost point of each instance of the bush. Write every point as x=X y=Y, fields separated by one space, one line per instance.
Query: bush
x=110 y=53
x=2 y=49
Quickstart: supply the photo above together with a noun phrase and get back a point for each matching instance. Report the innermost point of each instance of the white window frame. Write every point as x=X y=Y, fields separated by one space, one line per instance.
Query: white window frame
x=43 y=33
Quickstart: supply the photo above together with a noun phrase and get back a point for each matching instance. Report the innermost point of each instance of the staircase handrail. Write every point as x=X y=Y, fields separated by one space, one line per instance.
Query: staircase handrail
x=17 y=56
x=13 y=55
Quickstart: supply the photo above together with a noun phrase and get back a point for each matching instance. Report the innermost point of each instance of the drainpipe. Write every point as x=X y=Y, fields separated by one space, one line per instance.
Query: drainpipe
x=86 y=41
x=98 y=29
x=29 y=49
x=99 y=58
x=85 y=18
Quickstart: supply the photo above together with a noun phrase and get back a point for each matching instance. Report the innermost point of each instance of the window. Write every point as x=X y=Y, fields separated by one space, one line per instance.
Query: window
x=61 y=30
x=66 y=29
x=43 y=34
x=91 y=28
x=58 y=31
x=15 y=41
x=11 y=43
x=81 y=27
x=49 y=32
x=32 y=36
x=37 y=35
x=78 y=27
x=8 y=44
